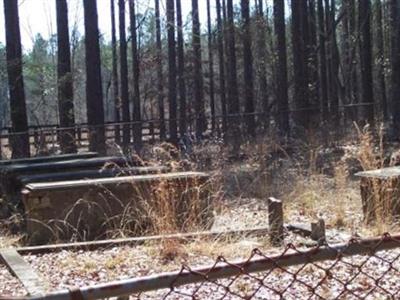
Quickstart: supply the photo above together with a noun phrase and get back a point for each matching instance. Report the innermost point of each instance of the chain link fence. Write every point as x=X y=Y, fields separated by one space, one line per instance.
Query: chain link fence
x=359 y=269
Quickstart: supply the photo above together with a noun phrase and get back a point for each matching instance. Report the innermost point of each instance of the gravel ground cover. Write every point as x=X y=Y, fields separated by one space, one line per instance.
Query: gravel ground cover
x=10 y=285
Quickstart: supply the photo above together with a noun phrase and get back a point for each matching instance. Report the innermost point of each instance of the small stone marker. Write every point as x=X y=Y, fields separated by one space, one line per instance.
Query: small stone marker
x=275 y=219
x=318 y=231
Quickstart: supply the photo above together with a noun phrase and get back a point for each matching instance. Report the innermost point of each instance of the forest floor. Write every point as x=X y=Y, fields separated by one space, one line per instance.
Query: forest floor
x=314 y=183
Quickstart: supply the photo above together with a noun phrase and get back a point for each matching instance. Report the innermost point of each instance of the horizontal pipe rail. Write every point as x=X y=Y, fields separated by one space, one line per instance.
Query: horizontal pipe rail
x=223 y=270
x=188 y=118
x=93 y=245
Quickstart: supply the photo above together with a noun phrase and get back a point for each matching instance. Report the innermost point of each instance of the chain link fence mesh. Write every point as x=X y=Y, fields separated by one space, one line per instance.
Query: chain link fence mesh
x=361 y=269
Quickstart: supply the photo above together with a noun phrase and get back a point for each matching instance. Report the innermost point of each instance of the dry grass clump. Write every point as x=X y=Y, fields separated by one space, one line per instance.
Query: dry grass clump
x=321 y=187
x=371 y=155
x=229 y=247
x=8 y=239
x=334 y=194
x=182 y=206
x=176 y=208
x=341 y=183
x=320 y=196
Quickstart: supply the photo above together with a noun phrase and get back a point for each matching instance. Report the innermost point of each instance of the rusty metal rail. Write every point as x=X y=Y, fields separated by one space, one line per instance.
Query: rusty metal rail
x=258 y=262
x=94 y=245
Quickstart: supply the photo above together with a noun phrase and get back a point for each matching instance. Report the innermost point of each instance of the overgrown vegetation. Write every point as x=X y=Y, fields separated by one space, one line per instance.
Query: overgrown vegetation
x=314 y=181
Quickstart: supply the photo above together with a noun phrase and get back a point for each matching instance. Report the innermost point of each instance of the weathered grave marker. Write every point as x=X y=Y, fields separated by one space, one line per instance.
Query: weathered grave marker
x=275 y=219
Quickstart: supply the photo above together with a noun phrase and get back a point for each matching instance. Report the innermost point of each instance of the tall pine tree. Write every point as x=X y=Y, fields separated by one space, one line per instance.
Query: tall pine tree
x=65 y=80
x=136 y=117
x=126 y=138
x=19 y=120
x=173 y=131
x=94 y=91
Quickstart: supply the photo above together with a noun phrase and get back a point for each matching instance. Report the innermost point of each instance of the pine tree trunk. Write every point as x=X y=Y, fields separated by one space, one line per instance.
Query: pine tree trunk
x=136 y=117
x=19 y=120
x=160 y=85
x=181 y=72
x=364 y=10
x=395 y=64
x=281 y=68
x=94 y=92
x=115 y=84
x=201 y=123
x=211 y=67
x=262 y=62
x=173 y=132
x=328 y=28
x=248 y=69
x=64 y=78
x=299 y=42
x=380 y=55
x=233 y=95
x=347 y=63
x=352 y=60
x=126 y=137
x=334 y=67
x=322 y=61
x=314 y=81
x=221 y=64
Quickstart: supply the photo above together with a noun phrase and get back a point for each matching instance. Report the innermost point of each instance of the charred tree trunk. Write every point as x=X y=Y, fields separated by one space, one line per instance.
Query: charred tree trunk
x=221 y=64
x=233 y=96
x=299 y=43
x=173 y=132
x=364 y=10
x=313 y=60
x=328 y=28
x=126 y=138
x=347 y=61
x=19 y=120
x=353 y=75
x=262 y=62
x=334 y=66
x=322 y=62
x=248 y=69
x=94 y=92
x=380 y=60
x=281 y=68
x=64 y=78
x=211 y=67
x=395 y=64
x=227 y=68
x=181 y=72
x=160 y=86
x=201 y=123
x=136 y=117
x=115 y=84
